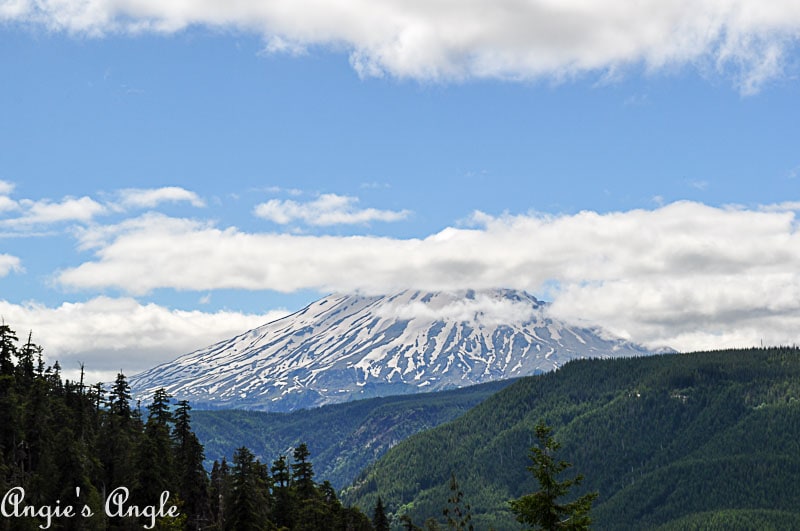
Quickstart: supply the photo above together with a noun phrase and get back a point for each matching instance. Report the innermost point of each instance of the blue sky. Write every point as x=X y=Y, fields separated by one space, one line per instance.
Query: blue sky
x=172 y=174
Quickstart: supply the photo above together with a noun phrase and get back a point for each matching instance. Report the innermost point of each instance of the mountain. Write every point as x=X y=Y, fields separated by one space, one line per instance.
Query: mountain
x=344 y=347
x=342 y=438
x=707 y=440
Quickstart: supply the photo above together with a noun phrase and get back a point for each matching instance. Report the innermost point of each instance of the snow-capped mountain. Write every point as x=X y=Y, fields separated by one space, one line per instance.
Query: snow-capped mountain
x=344 y=347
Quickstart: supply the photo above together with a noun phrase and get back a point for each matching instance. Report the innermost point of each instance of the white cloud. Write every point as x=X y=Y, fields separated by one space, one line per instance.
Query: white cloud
x=327 y=209
x=150 y=198
x=781 y=207
x=678 y=275
x=8 y=264
x=7 y=204
x=439 y=40
x=45 y=212
x=278 y=44
x=109 y=335
x=483 y=308
x=6 y=187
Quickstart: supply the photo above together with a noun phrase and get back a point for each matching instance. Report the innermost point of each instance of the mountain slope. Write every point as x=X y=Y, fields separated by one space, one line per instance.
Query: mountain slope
x=346 y=347
x=342 y=438
x=666 y=440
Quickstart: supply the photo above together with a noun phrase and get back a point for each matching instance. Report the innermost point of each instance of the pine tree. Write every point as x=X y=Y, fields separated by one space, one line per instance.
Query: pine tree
x=154 y=463
x=8 y=349
x=248 y=497
x=541 y=509
x=10 y=410
x=379 y=519
x=283 y=510
x=118 y=439
x=303 y=473
x=219 y=491
x=191 y=476
x=25 y=369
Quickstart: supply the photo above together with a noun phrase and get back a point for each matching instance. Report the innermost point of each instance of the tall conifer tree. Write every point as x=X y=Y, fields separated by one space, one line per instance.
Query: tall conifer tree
x=541 y=509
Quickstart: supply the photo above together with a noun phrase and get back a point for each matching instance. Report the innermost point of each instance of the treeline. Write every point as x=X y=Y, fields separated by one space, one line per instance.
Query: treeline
x=343 y=438
x=711 y=435
x=75 y=456
x=251 y=496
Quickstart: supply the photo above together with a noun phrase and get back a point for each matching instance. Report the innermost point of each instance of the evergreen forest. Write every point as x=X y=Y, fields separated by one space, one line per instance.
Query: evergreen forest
x=343 y=438
x=707 y=440
x=67 y=451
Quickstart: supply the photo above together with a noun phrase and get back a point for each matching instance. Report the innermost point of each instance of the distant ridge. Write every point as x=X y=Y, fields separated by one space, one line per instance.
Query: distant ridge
x=344 y=347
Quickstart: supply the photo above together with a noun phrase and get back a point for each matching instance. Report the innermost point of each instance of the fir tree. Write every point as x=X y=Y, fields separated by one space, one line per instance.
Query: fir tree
x=248 y=503
x=118 y=439
x=379 y=519
x=302 y=473
x=283 y=509
x=154 y=461
x=541 y=509
x=191 y=476
x=25 y=369
x=219 y=491
x=8 y=349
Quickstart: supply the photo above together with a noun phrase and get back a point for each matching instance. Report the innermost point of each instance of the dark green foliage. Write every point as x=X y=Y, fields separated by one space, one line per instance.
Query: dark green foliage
x=344 y=438
x=60 y=440
x=283 y=498
x=302 y=473
x=543 y=508
x=219 y=491
x=457 y=512
x=659 y=438
x=154 y=455
x=735 y=519
x=248 y=503
x=8 y=350
x=190 y=475
x=379 y=519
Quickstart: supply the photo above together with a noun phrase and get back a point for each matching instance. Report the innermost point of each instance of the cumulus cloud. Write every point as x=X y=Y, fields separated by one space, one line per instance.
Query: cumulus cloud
x=8 y=264
x=43 y=212
x=327 y=209
x=152 y=197
x=7 y=204
x=23 y=214
x=438 y=40
x=109 y=335
x=680 y=274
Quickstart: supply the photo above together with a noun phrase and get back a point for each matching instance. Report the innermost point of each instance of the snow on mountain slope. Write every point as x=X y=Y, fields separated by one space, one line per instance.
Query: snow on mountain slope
x=345 y=347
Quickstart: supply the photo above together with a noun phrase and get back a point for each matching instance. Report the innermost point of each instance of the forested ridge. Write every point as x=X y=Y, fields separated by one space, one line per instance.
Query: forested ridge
x=704 y=440
x=74 y=456
x=343 y=438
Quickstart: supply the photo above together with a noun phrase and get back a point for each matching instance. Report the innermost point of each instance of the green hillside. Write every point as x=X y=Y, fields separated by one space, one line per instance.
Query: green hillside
x=685 y=441
x=342 y=438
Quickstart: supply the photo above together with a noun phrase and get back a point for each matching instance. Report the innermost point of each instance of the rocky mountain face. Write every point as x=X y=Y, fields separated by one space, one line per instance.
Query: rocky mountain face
x=345 y=347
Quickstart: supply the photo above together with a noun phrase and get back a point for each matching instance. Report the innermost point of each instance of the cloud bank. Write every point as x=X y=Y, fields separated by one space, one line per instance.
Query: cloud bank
x=482 y=308
x=109 y=335
x=685 y=274
x=439 y=40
